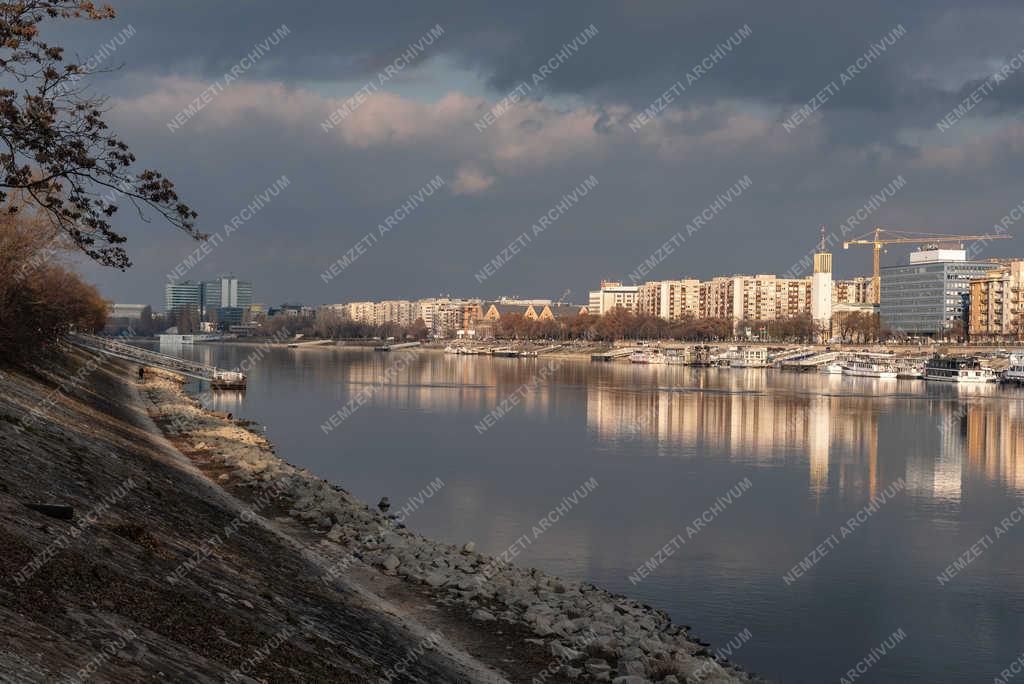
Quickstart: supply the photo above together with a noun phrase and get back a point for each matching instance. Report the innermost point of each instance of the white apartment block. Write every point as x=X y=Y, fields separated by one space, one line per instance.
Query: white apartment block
x=611 y=295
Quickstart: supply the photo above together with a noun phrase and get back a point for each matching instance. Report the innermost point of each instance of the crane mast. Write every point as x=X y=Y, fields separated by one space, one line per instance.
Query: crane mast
x=903 y=237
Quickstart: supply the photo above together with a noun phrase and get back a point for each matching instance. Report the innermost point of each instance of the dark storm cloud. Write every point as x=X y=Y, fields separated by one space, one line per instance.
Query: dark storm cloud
x=652 y=182
x=796 y=46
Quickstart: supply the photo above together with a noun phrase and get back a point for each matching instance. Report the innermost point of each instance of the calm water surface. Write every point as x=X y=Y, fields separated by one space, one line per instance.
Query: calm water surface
x=663 y=443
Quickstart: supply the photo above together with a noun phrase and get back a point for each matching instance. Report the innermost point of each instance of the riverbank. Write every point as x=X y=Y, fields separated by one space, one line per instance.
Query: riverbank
x=573 y=629
x=204 y=557
x=153 y=572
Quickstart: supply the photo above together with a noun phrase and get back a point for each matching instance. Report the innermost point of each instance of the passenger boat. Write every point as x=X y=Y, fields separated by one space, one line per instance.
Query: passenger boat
x=868 y=369
x=751 y=357
x=958 y=369
x=1015 y=373
x=832 y=369
x=910 y=370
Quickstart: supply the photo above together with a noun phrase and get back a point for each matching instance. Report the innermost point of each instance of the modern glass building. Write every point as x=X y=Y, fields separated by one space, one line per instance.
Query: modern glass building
x=928 y=296
x=177 y=296
x=227 y=291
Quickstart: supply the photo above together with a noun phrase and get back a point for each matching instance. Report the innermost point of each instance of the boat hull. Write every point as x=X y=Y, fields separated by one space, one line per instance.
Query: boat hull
x=961 y=379
x=881 y=374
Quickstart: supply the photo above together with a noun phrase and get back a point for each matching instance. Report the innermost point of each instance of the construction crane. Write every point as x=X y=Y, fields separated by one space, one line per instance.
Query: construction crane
x=904 y=237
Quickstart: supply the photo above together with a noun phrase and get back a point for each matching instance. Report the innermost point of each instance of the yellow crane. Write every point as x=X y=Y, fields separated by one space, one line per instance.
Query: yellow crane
x=905 y=237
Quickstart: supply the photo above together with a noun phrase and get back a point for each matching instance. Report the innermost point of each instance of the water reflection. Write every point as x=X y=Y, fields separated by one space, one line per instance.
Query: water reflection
x=833 y=421
x=663 y=441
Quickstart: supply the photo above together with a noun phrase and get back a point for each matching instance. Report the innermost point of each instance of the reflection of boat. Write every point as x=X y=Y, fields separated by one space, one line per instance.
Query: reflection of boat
x=868 y=369
x=958 y=369
x=1015 y=373
x=832 y=369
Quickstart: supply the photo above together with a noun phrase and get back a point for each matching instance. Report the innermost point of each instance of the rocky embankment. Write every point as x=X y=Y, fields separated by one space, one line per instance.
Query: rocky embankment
x=563 y=630
x=122 y=561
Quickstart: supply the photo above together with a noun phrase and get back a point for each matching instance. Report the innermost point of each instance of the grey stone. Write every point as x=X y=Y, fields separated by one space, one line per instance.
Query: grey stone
x=597 y=665
x=563 y=653
x=633 y=667
x=391 y=562
x=435 y=579
x=482 y=615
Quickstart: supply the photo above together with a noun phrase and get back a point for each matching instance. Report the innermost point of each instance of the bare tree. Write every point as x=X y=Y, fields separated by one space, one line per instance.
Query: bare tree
x=56 y=150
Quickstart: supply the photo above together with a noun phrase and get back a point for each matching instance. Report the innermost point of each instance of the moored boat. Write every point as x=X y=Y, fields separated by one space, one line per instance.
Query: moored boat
x=958 y=369
x=832 y=369
x=1015 y=373
x=869 y=369
x=910 y=370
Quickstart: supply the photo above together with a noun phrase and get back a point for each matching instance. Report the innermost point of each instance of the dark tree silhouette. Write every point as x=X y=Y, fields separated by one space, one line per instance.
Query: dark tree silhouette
x=56 y=150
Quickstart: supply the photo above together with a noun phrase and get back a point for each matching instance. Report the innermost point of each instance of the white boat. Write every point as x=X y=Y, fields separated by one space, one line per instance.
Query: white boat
x=1015 y=373
x=832 y=369
x=869 y=369
x=958 y=369
x=910 y=370
x=751 y=357
x=645 y=357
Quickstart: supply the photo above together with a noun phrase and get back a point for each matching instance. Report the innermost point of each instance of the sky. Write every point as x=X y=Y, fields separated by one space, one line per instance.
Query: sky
x=664 y=105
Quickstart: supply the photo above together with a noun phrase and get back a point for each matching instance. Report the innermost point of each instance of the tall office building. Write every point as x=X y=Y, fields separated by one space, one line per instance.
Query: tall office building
x=227 y=291
x=177 y=296
x=930 y=295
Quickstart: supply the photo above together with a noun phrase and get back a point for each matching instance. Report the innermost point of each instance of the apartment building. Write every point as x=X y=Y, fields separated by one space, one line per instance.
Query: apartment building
x=853 y=291
x=762 y=297
x=452 y=315
x=995 y=302
x=792 y=296
x=669 y=299
x=361 y=312
x=611 y=295
x=397 y=311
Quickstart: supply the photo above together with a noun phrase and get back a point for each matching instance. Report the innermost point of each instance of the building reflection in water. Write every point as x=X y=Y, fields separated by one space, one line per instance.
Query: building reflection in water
x=856 y=434
x=836 y=423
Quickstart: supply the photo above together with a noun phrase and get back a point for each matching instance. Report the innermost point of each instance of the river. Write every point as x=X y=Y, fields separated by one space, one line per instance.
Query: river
x=839 y=523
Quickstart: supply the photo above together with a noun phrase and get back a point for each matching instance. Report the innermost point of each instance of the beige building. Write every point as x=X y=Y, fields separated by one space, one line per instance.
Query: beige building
x=995 y=306
x=361 y=312
x=449 y=316
x=612 y=294
x=669 y=299
x=792 y=297
x=853 y=291
x=398 y=311
x=758 y=297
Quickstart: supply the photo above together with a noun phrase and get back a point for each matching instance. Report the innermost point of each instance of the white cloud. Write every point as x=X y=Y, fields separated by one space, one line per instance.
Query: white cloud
x=471 y=180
